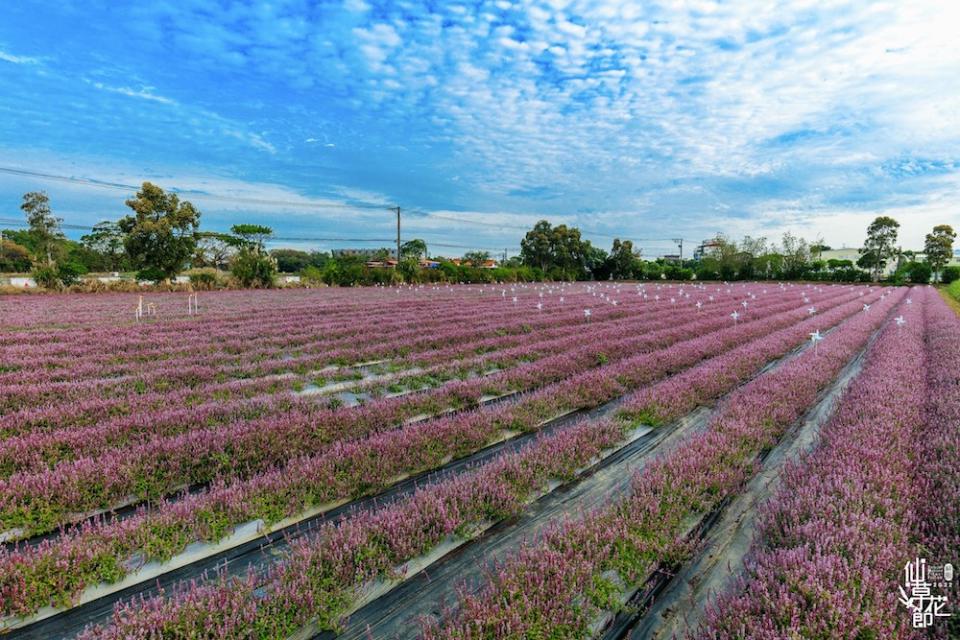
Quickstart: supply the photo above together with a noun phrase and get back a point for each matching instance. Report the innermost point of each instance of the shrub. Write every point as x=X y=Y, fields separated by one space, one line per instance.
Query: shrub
x=205 y=279
x=252 y=268
x=311 y=275
x=68 y=273
x=950 y=274
x=919 y=272
x=58 y=276
x=46 y=277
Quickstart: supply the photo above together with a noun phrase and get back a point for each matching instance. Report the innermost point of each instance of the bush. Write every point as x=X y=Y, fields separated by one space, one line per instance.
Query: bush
x=950 y=274
x=919 y=272
x=252 y=268
x=69 y=273
x=675 y=272
x=151 y=274
x=205 y=279
x=46 y=277
x=311 y=275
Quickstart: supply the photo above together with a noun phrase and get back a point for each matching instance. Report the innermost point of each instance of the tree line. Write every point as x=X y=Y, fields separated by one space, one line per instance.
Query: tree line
x=161 y=237
x=561 y=253
x=158 y=239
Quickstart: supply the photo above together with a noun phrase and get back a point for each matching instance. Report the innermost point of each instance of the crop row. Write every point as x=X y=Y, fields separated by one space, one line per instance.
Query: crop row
x=372 y=543
x=161 y=374
x=291 y=325
x=285 y=332
x=164 y=375
x=939 y=511
x=40 y=501
x=49 y=415
x=833 y=543
x=101 y=551
x=559 y=585
x=34 y=450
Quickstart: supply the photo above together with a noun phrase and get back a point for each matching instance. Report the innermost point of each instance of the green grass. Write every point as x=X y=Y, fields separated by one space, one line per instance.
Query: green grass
x=951 y=294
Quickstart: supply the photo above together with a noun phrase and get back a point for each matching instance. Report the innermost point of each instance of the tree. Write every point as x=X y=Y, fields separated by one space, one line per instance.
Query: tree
x=252 y=234
x=415 y=248
x=796 y=256
x=536 y=248
x=881 y=238
x=818 y=248
x=291 y=260
x=160 y=235
x=725 y=259
x=595 y=262
x=751 y=250
x=14 y=257
x=920 y=272
x=939 y=247
x=476 y=258
x=558 y=252
x=44 y=226
x=623 y=259
x=253 y=268
x=214 y=249
x=106 y=240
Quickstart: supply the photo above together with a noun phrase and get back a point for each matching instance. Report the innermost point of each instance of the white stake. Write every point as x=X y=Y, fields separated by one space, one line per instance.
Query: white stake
x=815 y=338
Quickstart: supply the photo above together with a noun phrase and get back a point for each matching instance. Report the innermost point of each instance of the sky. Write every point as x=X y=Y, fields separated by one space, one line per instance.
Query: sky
x=641 y=120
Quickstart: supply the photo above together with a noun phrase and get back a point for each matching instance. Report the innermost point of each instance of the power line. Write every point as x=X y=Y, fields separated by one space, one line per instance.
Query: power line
x=93 y=182
x=20 y=223
x=104 y=184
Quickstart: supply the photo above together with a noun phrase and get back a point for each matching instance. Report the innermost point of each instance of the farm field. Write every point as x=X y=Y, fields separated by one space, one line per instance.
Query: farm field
x=588 y=460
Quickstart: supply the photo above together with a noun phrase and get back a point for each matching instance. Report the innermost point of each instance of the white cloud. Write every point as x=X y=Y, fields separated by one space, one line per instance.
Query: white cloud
x=9 y=57
x=144 y=93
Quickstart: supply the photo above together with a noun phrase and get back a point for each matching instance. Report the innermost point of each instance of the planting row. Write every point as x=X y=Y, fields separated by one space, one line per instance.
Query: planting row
x=106 y=551
x=293 y=325
x=41 y=501
x=35 y=450
x=559 y=586
x=833 y=543
x=70 y=414
x=453 y=340
x=217 y=342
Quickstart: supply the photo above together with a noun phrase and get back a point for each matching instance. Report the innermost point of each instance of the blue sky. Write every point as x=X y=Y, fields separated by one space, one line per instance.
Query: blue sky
x=638 y=120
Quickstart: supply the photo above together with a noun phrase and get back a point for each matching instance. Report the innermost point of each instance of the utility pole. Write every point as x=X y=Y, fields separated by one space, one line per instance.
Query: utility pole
x=679 y=241
x=397 y=209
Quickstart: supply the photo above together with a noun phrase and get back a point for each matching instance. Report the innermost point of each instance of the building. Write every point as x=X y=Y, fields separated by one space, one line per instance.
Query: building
x=706 y=248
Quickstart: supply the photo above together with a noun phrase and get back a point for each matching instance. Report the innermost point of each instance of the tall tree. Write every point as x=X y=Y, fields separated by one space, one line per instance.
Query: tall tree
x=106 y=239
x=557 y=251
x=214 y=249
x=536 y=248
x=623 y=259
x=939 y=247
x=415 y=248
x=880 y=243
x=796 y=256
x=44 y=226
x=13 y=257
x=160 y=235
x=476 y=258
x=252 y=234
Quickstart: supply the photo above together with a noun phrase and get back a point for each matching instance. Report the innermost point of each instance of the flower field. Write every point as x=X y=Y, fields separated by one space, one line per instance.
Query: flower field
x=288 y=464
